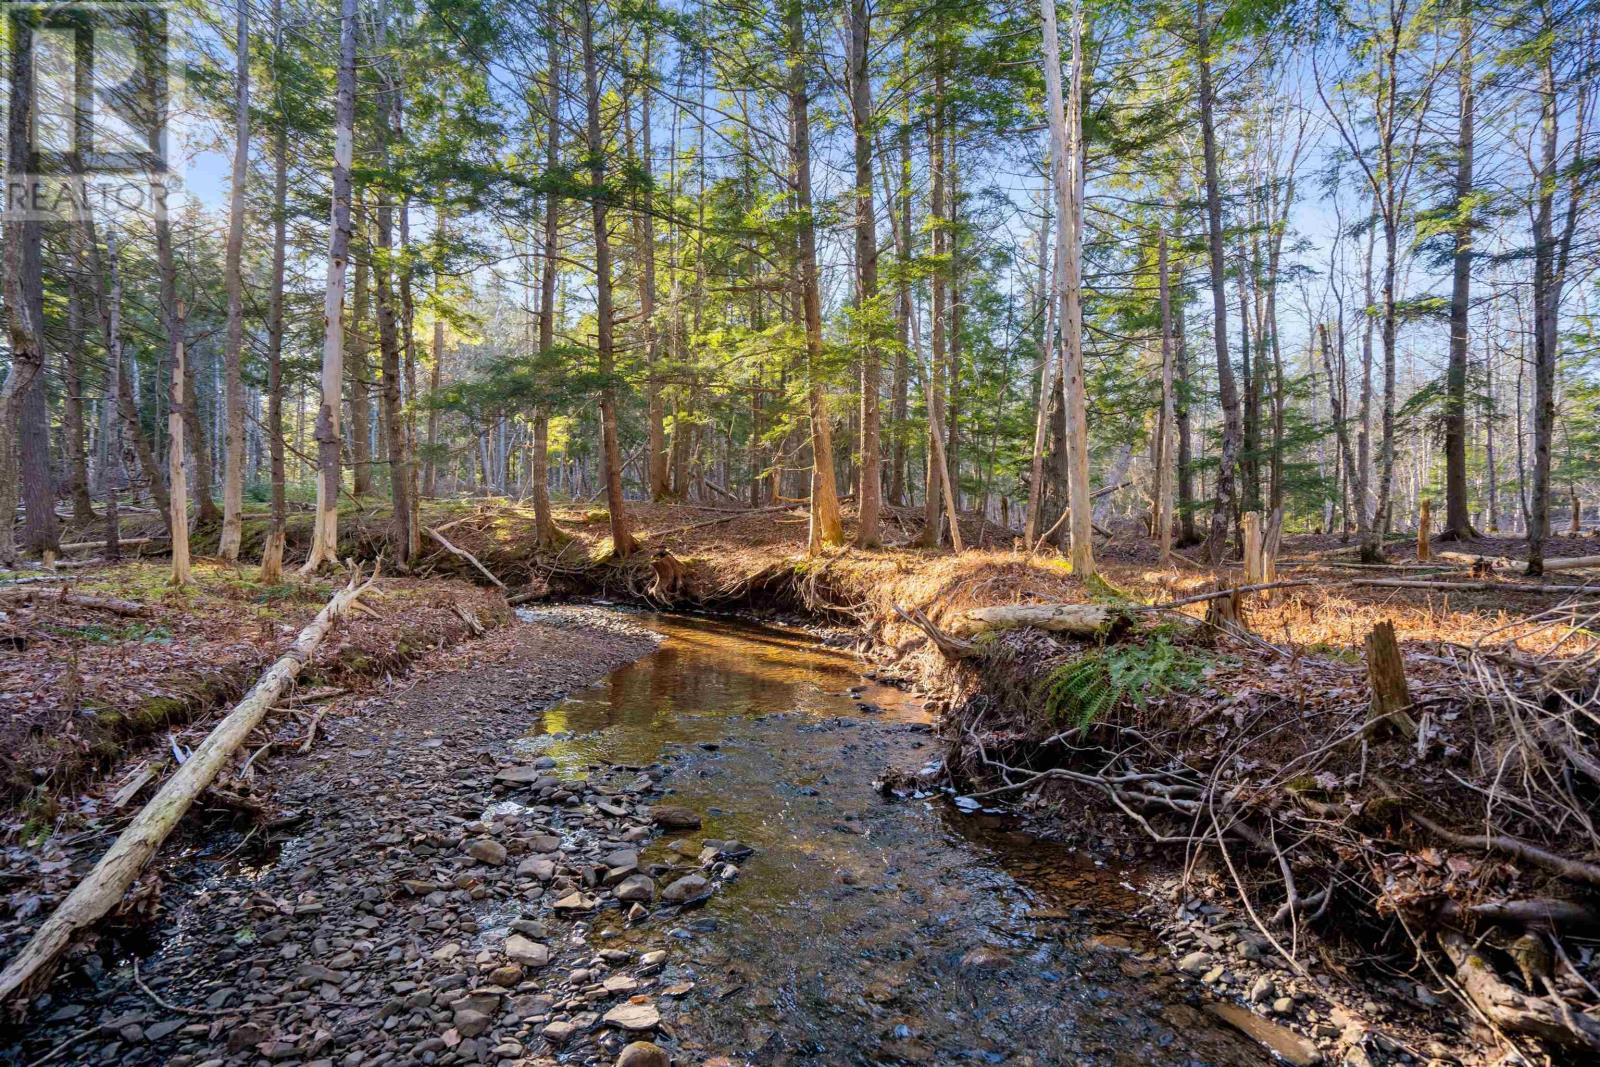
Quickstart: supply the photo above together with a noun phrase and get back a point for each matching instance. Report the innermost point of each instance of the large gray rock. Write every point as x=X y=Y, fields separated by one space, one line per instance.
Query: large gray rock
x=671 y=817
x=686 y=888
x=640 y=887
x=526 y=951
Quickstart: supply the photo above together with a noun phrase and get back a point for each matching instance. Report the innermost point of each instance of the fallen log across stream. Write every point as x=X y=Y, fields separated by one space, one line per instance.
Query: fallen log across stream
x=99 y=892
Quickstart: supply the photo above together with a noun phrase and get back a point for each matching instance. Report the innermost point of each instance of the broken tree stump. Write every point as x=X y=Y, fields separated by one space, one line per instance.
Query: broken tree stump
x=1424 y=521
x=1250 y=547
x=1386 y=675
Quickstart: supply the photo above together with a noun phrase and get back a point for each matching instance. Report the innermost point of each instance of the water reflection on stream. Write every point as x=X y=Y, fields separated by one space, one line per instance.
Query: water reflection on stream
x=864 y=931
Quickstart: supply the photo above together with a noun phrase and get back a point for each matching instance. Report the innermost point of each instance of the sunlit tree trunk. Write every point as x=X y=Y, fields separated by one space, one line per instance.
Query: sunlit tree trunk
x=622 y=542
x=394 y=432
x=869 y=500
x=177 y=485
x=1227 y=387
x=827 y=526
x=325 y=534
x=1067 y=158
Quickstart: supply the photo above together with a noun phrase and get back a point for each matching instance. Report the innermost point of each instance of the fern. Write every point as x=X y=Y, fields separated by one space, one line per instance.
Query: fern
x=1091 y=686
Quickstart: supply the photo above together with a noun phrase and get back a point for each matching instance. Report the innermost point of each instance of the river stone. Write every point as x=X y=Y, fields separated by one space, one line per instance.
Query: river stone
x=540 y=869
x=620 y=984
x=685 y=888
x=644 y=1054
x=623 y=857
x=471 y=1023
x=1262 y=990
x=1195 y=963
x=507 y=976
x=574 y=902
x=637 y=887
x=487 y=850
x=670 y=817
x=634 y=1017
x=519 y=775
x=559 y=1033
x=529 y=953
x=1283 y=1042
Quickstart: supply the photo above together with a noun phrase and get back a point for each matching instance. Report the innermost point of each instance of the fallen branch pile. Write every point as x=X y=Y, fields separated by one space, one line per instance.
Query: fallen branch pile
x=1459 y=813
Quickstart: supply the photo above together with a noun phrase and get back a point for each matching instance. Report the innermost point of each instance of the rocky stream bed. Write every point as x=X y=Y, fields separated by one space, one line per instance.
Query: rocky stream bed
x=603 y=828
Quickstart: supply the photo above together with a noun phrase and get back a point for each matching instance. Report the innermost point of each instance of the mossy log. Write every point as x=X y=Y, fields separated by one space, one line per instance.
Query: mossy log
x=104 y=886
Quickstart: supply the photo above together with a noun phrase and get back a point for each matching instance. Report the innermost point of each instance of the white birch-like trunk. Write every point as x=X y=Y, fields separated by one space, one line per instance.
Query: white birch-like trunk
x=325 y=535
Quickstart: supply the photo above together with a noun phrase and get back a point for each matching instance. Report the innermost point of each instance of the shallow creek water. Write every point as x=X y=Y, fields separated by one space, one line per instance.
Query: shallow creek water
x=863 y=930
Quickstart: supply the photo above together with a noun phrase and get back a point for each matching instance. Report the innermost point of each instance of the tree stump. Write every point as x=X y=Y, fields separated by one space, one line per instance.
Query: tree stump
x=1386 y=674
x=1226 y=612
x=1424 y=521
x=1250 y=546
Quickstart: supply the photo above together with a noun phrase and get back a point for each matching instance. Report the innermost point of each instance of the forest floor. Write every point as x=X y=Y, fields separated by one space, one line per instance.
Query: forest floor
x=1316 y=853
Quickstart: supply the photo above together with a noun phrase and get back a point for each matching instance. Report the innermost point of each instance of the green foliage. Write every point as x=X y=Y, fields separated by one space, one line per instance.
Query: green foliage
x=1088 y=688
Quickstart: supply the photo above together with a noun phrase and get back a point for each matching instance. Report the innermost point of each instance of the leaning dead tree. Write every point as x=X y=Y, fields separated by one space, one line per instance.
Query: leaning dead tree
x=103 y=887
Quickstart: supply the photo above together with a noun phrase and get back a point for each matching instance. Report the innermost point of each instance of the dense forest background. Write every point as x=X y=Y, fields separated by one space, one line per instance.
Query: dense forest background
x=1333 y=257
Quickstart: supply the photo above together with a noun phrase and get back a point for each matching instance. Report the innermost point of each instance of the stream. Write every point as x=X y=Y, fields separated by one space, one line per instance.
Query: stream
x=864 y=930
x=858 y=930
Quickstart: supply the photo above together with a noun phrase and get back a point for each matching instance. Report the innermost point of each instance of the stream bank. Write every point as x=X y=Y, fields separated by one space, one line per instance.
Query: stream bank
x=437 y=908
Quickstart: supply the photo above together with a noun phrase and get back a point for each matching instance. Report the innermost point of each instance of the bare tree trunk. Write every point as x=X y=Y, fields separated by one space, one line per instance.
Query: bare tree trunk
x=1227 y=387
x=1181 y=417
x=41 y=529
x=1047 y=384
x=544 y=523
x=73 y=429
x=937 y=471
x=430 y=476
x=1458 y=522
x=176 y=482
x=394 y=431
x=325 y=534
x=869 y=499
x=826 y=526
x=277 y=531
x=901 y=386
x=1163 y=473
x=358 y=351
x=24 y=279
x=206 y=512
x=655 y=410
x=622 y=542
x=1067 y=152
x=233 y=271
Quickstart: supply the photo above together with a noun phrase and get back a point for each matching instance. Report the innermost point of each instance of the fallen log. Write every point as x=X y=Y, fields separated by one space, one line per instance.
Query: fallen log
x=1510 y=587
x=104 y=886
x=1081 y=620
x=112 y=605
x=464 y=554
x=95 y=546
x=1509 y=1009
